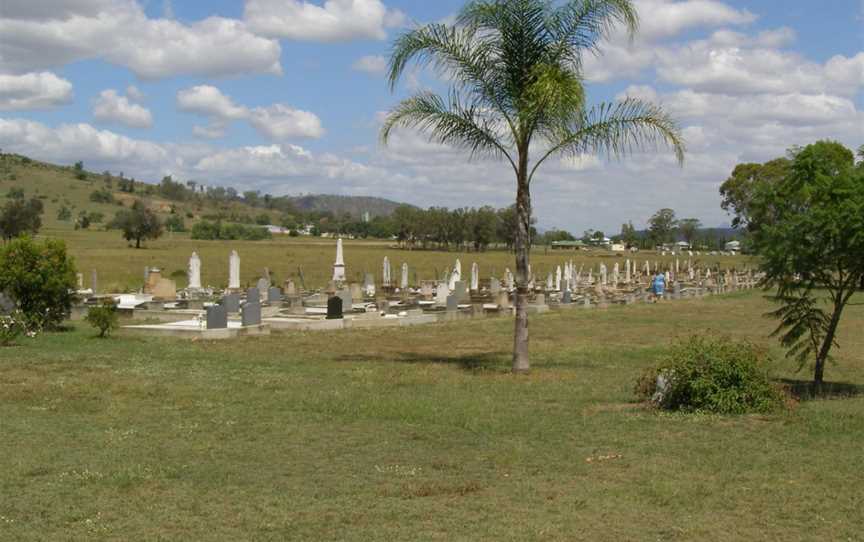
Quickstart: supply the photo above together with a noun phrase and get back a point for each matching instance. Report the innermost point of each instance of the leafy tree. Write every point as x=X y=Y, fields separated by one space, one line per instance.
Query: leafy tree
x=20 y=216
x=83 y=221
x=104 y=318
x=807 y=228
x=102 y=196
x=175 y=223
x=263 y=219
x=688 y=228
x=661 y=226
x=80 y=174
x=516 y=67
x=64 y=214
x=40 y=277
x=746 y=180
x=628 y=234
x=138 y=223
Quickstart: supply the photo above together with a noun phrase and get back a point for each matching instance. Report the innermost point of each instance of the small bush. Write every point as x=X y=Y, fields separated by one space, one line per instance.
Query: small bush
x=103 y=317
x=708 y=374
x=12 y=326
x=40 y=277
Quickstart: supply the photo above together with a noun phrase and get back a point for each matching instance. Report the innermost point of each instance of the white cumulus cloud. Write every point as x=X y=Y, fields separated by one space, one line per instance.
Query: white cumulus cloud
x=333 y=21
x=35 y=37
x=373 y=64
x=33 y=91
x=111 y=107
x=277 y=121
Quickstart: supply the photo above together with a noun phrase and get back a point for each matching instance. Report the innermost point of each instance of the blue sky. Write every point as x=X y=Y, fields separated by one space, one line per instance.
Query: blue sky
x=286 y=96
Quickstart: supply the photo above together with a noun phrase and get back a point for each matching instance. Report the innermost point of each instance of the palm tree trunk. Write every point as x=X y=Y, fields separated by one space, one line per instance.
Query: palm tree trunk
x=521 y=361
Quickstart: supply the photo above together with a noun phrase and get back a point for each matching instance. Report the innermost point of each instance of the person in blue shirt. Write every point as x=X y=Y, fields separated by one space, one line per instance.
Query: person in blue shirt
x=658 y=286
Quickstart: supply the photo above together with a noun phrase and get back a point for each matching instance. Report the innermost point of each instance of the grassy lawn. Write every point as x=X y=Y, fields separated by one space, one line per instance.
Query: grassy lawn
x=120 y=267
x=417 y=434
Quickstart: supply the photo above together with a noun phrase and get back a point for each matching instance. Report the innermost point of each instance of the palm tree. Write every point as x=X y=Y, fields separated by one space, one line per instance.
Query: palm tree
x=516 y=67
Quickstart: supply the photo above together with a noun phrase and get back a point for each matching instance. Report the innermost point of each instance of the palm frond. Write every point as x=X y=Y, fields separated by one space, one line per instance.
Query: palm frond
x=614 y=129
x=450 y=123
x=582 y=24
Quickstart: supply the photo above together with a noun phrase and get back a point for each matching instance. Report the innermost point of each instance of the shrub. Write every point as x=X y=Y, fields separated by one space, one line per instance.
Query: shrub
x=213 y=231
x=175 y=223
x=710 y=374
x=40 y=278
x=102 y=196
x=13 y=326
x=103 y=317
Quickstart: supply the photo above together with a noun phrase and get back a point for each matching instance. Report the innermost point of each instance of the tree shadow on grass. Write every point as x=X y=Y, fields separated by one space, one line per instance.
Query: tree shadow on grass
x=803 y=390
x=475 y=362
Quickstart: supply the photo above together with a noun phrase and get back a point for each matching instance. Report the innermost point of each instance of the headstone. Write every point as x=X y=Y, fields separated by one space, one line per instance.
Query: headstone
x=7 y=304
x=339 y=265
x=461 y=292
x=251 y=315
x=263 y=285
x=334 y=308
x=94 y=282
x=369 y=285
x=194 y=272
x=494 y=286
x=231 y=302
x=80 y=279
x=290 y=288
x=356 y=292
x=540 y=299
x=558 y=277
x=403 y=284
x=566 y=298
x=386 y=283
x=274 y=295
x=452 y=303
x=426 y=291
x=347 y=300
x=475 y=277
x=253 y=295
x=217 y=317
x=234 y=271
x=442 y=292
x=503 y=299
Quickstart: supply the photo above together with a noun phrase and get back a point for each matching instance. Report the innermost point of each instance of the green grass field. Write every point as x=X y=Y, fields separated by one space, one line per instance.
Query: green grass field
x=121 y=268
x=418 y=434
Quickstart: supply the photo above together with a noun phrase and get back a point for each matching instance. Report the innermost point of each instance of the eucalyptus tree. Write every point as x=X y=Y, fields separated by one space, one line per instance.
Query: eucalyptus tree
x=517 y=88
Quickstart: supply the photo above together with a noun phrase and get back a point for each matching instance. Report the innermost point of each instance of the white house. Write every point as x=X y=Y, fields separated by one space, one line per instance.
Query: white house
x=733 y=246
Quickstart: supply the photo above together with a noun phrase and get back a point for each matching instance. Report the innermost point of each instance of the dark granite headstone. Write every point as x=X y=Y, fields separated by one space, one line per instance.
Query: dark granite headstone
x=274 y=295
x=567 y=297
x=7 y=304
x=334 y=308
x=231 y=302
x=217 y=317
x=253 y=295
x=452 y=303
x=251 y=314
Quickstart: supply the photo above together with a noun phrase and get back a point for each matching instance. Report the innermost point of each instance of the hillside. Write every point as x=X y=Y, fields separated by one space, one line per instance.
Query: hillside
x=340 y=205
x=76 y=190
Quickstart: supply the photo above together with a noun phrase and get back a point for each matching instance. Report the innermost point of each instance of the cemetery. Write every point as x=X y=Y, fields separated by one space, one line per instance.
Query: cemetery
x=345 y=314
x=388 y=300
